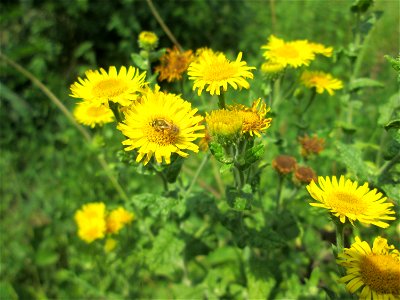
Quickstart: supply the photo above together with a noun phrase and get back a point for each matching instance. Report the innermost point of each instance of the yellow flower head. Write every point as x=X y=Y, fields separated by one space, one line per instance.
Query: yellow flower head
x=294 y=54
x=148 y=40
x=101 y=87
x=91 y=223
x=311 y=145
x=91 y=115
x=321 y=82
x=215 y=71
x=173 y=64
x=345 y=199
x=224 y=125
x=161 y=124
x=117 y=219
x=321 y=49
x=376 y=270
x=254 y=120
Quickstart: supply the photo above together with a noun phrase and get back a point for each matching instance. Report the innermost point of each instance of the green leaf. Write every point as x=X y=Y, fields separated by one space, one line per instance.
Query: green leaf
x=252 y=155
x=164 y=258
x=386 y=110
x=361 y=83
x=172 y=170
x=139 y=61
x=259 y=288
x=219 y=153
x=352 y=158
x=392 y=191
x=7 y=291
x=394 y=124
x=239 y=199
x=361 y=6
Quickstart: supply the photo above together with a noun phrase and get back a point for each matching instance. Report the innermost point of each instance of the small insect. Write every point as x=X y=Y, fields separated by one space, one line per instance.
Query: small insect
x=162 y=125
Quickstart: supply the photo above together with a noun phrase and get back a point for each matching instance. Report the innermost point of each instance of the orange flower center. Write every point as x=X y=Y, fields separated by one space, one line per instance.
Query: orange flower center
x=381 y=273
x=109 y=88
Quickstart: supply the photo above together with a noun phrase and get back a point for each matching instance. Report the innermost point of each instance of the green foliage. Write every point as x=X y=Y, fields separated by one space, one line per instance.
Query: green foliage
x=228 y=230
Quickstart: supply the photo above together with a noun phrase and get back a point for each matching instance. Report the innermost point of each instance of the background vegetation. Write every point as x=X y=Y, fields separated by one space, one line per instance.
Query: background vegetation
x=47 y=172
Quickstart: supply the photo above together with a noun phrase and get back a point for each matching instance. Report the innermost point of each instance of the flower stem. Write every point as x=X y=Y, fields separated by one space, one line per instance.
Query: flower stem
x=279 y=193
x=115 y=109
x=310 y=101
x=221 y=101
x=339 y=236
x=196 y=175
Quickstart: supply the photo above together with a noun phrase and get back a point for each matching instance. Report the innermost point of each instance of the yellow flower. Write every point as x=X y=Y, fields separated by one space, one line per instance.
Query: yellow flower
x=376 y=270
x=254 y=120
x=91 y=115
x=91 y=221
x=224 y=125
x=148 y=40
x=101 y=87
x=321 y=82
x=117 y=219
x=345 y=199
x=294 y=54
x=161 y=124
x=321 y=49
x=216 y=71
x=173 y=64
x=110 y=245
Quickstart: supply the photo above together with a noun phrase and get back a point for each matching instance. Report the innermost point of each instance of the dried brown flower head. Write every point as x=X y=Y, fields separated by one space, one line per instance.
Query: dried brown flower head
x=305 y=174
x=284 y=164
x=311 y=145
x=173 y=64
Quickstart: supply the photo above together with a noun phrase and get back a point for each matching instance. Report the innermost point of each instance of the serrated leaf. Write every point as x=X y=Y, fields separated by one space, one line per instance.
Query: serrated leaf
x=392 y=191
x=352 y=158
x=225 y=168
x=238 y=199
x=361 y=6
x=360 y=83
x=252 y=155
x=164 y=258
x=218 y=151
x=259 y=288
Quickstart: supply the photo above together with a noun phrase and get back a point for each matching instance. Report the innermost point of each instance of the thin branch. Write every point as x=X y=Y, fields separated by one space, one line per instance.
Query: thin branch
x=163 y=25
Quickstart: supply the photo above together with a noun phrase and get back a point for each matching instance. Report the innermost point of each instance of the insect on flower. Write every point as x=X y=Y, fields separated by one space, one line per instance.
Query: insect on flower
x=162 y=125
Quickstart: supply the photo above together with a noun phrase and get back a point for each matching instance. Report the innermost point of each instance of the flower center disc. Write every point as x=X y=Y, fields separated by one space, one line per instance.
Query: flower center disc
x=381 y=273
x=109 y=88
x=219 y=71
x=346 y=202
x=162 y=131
x=287 y=51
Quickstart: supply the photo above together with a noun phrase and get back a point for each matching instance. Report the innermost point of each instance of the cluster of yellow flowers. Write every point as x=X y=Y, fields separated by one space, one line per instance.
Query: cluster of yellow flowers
x=377 y=270
x=280 y=54
x=94 y=222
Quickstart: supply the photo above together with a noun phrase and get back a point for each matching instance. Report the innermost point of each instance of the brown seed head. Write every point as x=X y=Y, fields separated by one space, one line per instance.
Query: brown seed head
x=284 y=164
x=311 y=145
x=305 y=174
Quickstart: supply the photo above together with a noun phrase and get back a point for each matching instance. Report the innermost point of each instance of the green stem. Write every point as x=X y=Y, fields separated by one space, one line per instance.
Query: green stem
x=279 y=193
x=221 y=100
x=196 y=175
x=339 y=236
x=164 y=181
x=310 y=101
x=86 y=135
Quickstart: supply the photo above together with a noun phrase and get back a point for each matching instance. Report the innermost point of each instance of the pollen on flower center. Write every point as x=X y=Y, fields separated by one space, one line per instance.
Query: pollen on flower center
x=162 y=132
x=220 y=71
x=109 y=88
x=381 y=273
x=287 y=51
x=346 y=202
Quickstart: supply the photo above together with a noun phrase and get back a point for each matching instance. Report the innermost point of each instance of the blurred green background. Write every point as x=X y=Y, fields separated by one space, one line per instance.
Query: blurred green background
x=47 y=172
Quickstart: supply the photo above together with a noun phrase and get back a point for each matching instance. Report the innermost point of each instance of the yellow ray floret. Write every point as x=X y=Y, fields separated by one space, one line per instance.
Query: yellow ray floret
x=160 y=124
x=88 y=114
x=347 y=200
x=99 y=87
x=216 y=72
